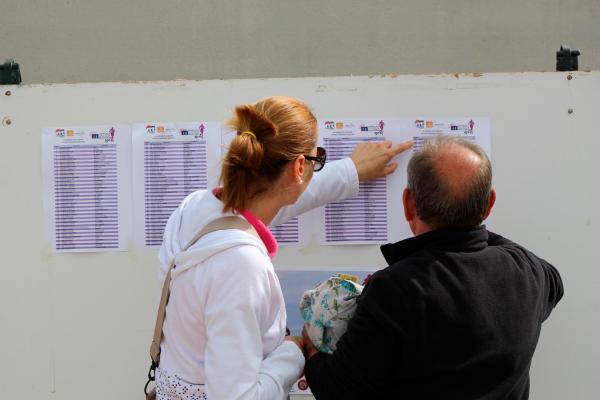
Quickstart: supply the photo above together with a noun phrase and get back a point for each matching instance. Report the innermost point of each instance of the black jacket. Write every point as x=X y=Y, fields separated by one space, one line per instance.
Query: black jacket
x=456 y=315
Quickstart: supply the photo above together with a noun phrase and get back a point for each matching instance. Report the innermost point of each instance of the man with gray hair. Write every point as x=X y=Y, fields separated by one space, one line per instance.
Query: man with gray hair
x=458 y=312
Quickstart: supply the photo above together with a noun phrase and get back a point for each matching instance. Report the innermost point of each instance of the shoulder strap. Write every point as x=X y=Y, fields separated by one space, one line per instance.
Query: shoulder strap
x=231 y=222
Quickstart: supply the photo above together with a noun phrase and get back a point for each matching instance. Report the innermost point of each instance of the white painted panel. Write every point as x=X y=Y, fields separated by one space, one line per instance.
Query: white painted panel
x=78 y=325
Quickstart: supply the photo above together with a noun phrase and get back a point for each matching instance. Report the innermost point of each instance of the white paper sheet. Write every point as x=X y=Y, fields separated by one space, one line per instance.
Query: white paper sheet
x=376 y=215
x=86 y=186
x=170 y=161
x=364 y=218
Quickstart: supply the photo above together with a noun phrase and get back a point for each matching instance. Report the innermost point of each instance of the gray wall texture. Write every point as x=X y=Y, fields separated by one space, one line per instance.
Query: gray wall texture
x=120 y=40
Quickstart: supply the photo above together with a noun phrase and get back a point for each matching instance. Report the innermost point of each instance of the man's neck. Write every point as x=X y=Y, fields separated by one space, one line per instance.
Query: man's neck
x=419 y=227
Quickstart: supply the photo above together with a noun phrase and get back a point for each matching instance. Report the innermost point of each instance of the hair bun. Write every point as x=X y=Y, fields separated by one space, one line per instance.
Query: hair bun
x=247 y=149
x=249 y=119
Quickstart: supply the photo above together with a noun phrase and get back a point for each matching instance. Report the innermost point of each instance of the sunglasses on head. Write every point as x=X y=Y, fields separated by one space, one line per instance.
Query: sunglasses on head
x=319 y=159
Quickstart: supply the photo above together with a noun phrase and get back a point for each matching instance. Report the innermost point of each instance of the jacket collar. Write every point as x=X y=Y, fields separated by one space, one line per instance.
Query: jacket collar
x=456 y=239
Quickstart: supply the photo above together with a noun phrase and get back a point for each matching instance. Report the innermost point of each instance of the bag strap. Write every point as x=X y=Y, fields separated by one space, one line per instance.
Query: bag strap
x=231 y=222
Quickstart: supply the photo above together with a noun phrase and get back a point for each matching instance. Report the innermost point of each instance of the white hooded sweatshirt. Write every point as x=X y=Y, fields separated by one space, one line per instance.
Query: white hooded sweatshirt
x=225 y=320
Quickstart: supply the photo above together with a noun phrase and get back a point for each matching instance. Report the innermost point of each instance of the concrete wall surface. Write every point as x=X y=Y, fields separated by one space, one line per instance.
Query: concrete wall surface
x=115 y=40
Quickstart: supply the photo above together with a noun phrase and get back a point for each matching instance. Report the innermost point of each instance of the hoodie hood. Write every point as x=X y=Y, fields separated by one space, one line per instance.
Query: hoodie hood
x=195 y=212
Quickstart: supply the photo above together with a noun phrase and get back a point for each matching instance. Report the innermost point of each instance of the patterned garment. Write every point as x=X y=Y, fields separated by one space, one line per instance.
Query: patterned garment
x=327 y=309
x=171 y=387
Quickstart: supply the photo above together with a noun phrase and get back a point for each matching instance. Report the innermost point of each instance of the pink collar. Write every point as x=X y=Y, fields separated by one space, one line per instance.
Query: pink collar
x=263 y=231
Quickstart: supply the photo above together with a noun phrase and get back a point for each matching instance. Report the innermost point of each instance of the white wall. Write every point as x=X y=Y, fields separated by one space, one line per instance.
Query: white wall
x=77 y=326
x=116 y=40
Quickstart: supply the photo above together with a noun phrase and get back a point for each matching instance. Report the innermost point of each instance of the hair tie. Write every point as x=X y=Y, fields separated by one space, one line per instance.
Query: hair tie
x=249 y=134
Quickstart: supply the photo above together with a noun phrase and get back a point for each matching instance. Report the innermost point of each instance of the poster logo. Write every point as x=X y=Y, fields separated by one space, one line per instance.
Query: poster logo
x=155 y=129
x=463 y=128
x=329 y=125
x=374 y=129
x=195 y=133
x=429 y=124
x=70 y=133
x=419 y=123
x=339 y=125
x=107 y=137
x=60 y=133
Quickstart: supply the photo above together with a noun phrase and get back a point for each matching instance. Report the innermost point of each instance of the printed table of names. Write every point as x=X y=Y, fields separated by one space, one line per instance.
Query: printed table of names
x=288 y=232
x=172 y=170
x=364 y=217
x=86 y=197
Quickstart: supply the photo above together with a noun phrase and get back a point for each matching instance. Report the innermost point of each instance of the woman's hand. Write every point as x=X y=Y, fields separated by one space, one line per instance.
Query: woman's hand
x=372 y=159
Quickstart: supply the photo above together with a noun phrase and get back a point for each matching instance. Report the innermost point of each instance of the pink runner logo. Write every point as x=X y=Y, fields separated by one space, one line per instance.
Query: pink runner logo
x=381 y=125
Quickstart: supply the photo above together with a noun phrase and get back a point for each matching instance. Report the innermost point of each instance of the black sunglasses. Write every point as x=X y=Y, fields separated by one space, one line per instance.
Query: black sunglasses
x=319 y=159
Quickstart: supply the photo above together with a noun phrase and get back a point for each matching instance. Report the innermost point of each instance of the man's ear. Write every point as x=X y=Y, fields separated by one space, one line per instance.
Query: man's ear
x=491 y=203
x=409 y=205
